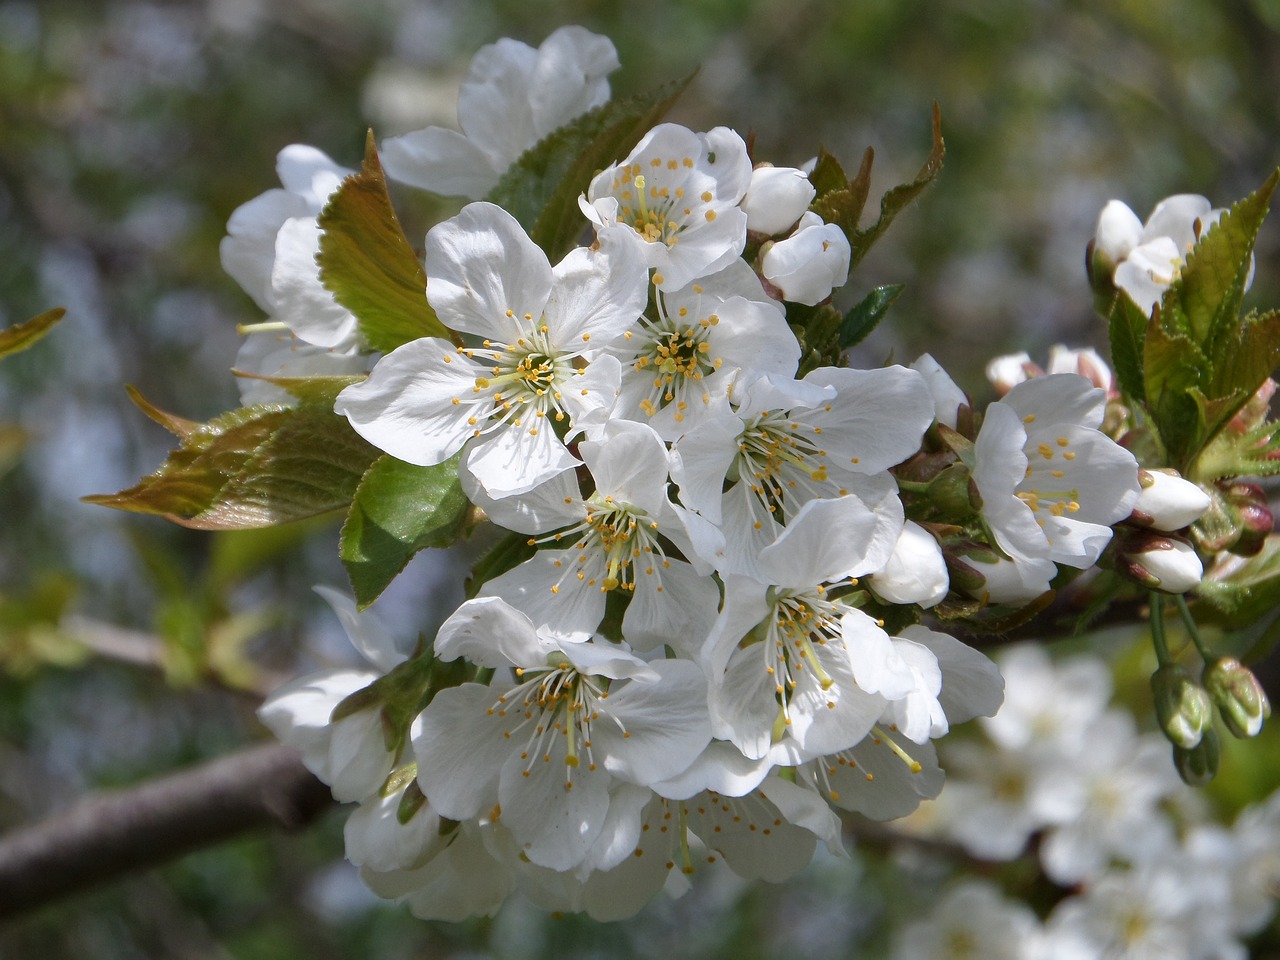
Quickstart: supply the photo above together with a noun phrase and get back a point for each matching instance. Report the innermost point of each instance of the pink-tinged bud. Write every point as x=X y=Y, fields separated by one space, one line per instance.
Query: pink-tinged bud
x=1168 y=502
x=1253 y=413
x=1241 y=701
x=1164 y=563
x=1199 y=764
x=776 y=198
x=1183 y=709
x=1007 y=371
x=1085 y=361
x=1255 y=520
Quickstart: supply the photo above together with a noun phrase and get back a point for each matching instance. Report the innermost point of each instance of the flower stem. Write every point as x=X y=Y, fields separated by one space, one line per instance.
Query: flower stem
x=1157 y=630
x=1192 y=629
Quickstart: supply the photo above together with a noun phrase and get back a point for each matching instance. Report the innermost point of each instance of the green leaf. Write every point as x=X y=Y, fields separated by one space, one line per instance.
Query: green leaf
x=1204 y=301
x=844 y=207
x=252 y=467
x=542 y=187
x=1251 y=592
x=1173 y=366
x=1127 y=325
x=368 y=265
x=399 y=509
x=828 y=176
x=17 y=338
x=1242 y=364
x=866 y=316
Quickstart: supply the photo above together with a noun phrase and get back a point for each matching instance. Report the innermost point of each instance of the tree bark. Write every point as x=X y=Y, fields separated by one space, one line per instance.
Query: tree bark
x=110 y=834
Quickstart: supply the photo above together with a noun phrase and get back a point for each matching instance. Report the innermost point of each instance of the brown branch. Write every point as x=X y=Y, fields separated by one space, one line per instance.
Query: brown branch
x=110 y=834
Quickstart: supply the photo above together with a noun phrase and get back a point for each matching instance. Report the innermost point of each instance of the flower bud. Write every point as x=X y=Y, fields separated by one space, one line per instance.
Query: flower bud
x=1255 y=412
x=807 y=265
x=1118 y=231
x=1007 y=371
x=1183 y=708
x=915 y=573
x=1254 y=516
x=986 y=576
x=1084 y=361
x=1241 y=701
x=1168 y=502
x=776 y=198
x=1167 y=563
x=1199 y=764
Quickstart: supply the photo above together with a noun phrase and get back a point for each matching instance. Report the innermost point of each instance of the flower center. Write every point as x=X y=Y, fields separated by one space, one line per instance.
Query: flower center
x=784 y=467
x=677 y=351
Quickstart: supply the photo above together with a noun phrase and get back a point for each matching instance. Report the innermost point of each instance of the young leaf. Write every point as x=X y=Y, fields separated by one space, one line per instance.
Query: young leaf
x=22 y=335
x=895 y=200
x=542 y=187
x=398 y=510
x=253 y=467
x=1127 y=325
x=866 y=316
x=828 y=176
x=369 y=266
x=1204 y=302
x=1174 y=365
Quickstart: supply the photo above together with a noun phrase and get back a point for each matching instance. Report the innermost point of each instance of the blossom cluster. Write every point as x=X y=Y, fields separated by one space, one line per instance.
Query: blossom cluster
x=1150 y=873
x=706 y=638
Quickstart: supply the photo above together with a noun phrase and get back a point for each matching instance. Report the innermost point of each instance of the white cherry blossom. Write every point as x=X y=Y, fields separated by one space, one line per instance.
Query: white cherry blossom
x=676 y=198
x=545 y=747
x=677 y=369
x=1051 y=483
x=512 y=97
x=428 y=398
x=619 y=538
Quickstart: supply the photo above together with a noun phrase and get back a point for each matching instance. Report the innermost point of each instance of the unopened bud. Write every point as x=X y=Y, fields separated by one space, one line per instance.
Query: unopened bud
x=1241 y=701
x=1166 y=563
x=1183 y=708
x=1007 y=371
x=1199 y=764
x=1255 y=412
x=1254 y=516
x=1167 y=501
x=776 y=198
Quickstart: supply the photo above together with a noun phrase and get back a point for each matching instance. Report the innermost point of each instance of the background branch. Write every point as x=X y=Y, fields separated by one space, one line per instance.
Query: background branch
x=110 y=834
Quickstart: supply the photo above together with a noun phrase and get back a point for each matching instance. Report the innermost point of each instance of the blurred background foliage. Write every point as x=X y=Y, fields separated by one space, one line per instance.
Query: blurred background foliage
x=129 y=131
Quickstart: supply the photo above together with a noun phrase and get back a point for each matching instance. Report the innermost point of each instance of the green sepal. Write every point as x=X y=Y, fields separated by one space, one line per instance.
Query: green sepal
x=252 y=467
x=411 y=801
x=18 y=337
x=403 y=694
x=398 y=509
x=542 y=187
x=867 y=314
x=369 y=266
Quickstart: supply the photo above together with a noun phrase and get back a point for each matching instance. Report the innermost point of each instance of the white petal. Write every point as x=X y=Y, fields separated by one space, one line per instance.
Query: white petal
x=442 y=161
x=406 y=407
x=480 y=265
x=303 y=303
x=460 y=749
x=971 y=682
x=516 y=458
x=366 y=632
x=663 y=725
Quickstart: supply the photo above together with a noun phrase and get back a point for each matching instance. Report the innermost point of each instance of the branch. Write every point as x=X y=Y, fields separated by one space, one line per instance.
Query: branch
x=111 y=834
